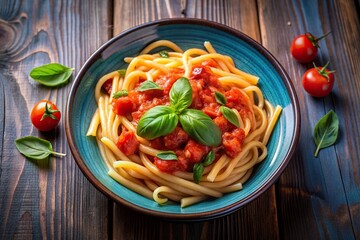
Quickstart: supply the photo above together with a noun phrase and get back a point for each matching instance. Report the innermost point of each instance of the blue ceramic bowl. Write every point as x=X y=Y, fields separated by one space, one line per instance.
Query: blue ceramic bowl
x=187 y=33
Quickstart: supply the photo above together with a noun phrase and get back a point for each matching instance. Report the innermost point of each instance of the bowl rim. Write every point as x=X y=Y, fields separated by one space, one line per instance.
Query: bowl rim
x=184 y=216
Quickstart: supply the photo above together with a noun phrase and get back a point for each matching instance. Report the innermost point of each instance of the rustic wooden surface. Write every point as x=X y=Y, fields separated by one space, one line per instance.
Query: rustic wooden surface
x=315 y=198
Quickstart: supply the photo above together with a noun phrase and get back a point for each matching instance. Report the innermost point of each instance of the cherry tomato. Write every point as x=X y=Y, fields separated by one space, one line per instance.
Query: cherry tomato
x=304 y=47
x=318 y=81
x=45 y=116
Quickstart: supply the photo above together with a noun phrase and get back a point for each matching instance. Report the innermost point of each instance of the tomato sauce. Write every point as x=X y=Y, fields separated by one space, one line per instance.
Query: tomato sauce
x=107 y=86
x=204 y=85
x=128 y=143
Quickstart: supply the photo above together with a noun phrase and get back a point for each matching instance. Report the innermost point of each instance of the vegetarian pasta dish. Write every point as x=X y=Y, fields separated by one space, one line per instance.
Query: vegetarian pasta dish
x=181 y=125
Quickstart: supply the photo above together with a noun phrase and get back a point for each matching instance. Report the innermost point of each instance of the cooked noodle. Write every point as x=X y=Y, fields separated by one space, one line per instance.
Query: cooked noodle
x=138 y=171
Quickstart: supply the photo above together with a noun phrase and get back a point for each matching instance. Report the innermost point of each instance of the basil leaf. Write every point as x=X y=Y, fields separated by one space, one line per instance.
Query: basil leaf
x=209 y=159
x=35 y=148
x=157 y=121
x=52 y=74
x=200 y=127
x=229 y=114
x=122 y=72
x=198 y=171
x=167 y=155
x=181 y=94
x=148 y=85
x=164 y=54
x=326 y=131
x=220 y=98
x=121 y=93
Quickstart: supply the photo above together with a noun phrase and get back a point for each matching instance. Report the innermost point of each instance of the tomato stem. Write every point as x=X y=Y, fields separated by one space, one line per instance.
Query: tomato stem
x=323 y=71
x=314 y=40
x=321 y=37
x=49 y=112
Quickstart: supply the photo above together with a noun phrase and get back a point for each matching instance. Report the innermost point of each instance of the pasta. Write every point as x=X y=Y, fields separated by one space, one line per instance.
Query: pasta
x=150 y=131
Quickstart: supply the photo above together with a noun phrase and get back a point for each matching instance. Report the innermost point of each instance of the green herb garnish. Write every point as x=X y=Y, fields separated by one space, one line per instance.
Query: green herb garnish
x=167 y=155
x=52 y=74
x=162 y=120
x=230 y=115
x=198 y=171
x=35 y=148
x=198 y=168
x=326 y=131
x=121 y=93
x=220 y=98
x=122 y=72
x=164 y=54
x=148 y=85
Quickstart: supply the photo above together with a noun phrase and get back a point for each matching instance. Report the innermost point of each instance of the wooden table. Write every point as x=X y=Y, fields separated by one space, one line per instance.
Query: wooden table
x=315 y=198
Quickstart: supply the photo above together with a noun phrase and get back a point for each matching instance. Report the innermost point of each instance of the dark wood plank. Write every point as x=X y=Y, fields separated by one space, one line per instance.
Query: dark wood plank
x=244 y=223
x=134 y=13
x=2 y=114
x=325 y=190
x=317 y=197
x=45 y=199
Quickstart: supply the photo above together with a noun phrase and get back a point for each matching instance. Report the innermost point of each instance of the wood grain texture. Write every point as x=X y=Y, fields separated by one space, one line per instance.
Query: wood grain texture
x=243 y=223
x=51 y=198
x=315 y=198
x=128 y=14
x=323 y=190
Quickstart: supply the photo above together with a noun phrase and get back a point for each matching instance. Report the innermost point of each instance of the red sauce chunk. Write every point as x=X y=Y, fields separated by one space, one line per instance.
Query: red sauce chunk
x=238 y=100
x=176 y=139
x=195 y=151
x=123 y=106
x=232 y=141
x=204 y=85
x=170 y=166
x=223 y=124
x=107 y=86
x=127 y=143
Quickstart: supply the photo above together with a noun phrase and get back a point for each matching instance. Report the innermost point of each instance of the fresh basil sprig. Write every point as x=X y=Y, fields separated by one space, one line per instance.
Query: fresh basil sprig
x=52 y=74
x=35 y=148
x=148 y=85
x=326 y=131
x=181 y=94
x=162 y=120
x=120 y=93
x=198 y=168
x=167 y=155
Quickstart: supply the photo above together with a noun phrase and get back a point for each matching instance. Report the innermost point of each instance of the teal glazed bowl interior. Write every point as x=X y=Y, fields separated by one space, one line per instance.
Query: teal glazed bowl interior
x=248 y=55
